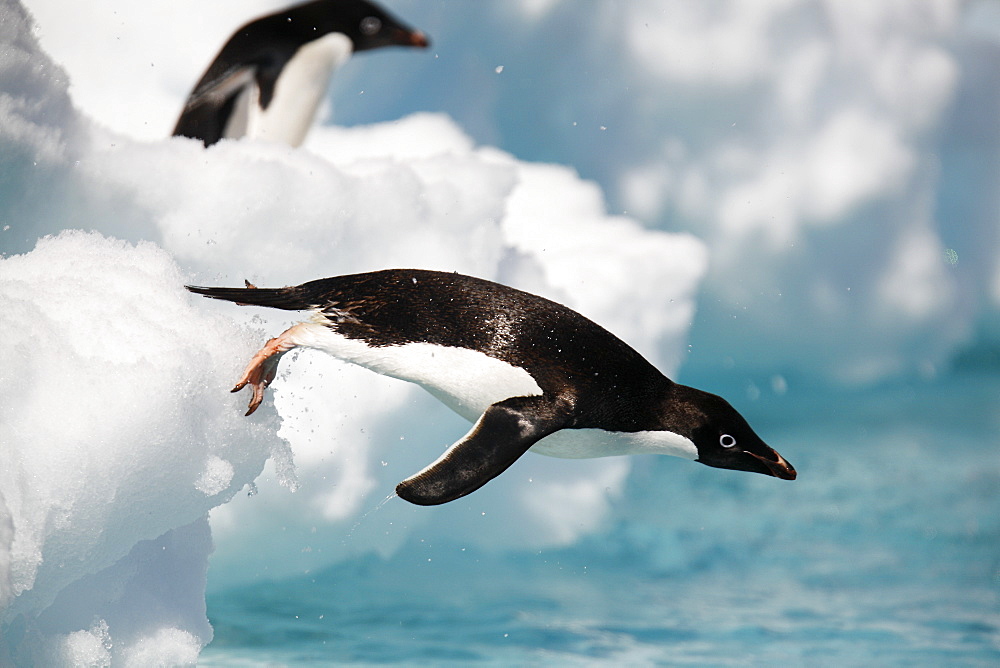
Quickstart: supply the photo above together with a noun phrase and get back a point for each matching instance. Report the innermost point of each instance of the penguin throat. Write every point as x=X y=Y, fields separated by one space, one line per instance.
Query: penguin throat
x=590 y=443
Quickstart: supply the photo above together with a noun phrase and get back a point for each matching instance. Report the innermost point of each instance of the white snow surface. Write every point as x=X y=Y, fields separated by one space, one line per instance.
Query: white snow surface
x=121 y=448
x=114 y=425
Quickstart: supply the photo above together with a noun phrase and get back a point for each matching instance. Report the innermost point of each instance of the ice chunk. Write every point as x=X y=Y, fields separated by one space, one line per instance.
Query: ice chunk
x=113 y=391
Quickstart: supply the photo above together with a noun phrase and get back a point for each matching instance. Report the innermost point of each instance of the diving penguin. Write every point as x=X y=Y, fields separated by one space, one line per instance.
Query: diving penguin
x=530 y=374
x=270 y=77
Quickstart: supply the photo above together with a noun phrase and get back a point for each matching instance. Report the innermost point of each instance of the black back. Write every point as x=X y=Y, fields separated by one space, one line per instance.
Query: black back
x=568 y=355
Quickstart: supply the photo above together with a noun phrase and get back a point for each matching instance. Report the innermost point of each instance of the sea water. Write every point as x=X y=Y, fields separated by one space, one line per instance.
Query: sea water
x=885 y=551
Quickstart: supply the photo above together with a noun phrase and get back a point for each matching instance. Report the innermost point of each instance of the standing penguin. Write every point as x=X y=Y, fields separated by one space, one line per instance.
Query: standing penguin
x=528 y=372
x=270 y=77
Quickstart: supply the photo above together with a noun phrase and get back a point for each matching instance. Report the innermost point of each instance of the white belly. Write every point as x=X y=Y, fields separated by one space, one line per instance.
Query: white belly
x=466 y=381
x=299 y=91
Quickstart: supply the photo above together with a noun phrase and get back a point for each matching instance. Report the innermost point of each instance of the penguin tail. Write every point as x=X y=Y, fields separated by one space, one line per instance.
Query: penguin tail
x=287 y=299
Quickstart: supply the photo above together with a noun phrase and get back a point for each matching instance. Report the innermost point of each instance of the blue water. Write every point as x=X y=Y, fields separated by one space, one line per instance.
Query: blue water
x=885 y=551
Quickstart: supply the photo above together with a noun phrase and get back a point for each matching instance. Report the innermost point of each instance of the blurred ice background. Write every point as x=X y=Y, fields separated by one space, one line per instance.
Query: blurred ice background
x=792 y=203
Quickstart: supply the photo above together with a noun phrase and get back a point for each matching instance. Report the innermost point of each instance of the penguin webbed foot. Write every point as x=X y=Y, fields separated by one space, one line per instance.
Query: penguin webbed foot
x=259 y=373
x=263 y=367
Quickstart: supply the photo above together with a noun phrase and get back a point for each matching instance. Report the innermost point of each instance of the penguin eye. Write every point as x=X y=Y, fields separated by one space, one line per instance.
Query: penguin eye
x=727 y=441
x=370 y=25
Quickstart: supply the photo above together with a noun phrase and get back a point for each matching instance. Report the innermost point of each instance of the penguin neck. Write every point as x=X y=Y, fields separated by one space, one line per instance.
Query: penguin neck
x=682 y=411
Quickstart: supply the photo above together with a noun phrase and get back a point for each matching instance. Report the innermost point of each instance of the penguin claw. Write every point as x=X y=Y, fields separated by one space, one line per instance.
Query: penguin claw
x=263 y=367
x=258 y=375
x=255 y=400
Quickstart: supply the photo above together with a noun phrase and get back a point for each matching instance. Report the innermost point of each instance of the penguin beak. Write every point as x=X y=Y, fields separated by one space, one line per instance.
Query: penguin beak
x=408 y=38
x=778 y=467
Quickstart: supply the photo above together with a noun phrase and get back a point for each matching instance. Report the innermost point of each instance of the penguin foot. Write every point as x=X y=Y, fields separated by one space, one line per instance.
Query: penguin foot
x=263 y=366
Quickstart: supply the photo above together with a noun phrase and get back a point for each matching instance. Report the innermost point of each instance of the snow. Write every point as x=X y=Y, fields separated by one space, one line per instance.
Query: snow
x=115 y=425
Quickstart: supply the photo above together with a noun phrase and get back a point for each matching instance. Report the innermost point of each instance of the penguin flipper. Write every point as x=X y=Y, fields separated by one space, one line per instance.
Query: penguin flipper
x=209 y=106
x=505 y=431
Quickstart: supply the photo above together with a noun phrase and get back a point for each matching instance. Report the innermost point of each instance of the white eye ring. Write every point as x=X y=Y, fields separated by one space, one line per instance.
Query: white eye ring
x=370 y=25
x=727 y=441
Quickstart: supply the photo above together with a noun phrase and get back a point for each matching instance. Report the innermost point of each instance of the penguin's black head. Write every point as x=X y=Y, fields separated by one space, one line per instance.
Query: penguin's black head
x=723 y=437
x=369 y=26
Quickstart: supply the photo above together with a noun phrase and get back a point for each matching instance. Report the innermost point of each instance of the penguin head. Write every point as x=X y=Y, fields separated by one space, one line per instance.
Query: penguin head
x=724 y=439
x=370 y=27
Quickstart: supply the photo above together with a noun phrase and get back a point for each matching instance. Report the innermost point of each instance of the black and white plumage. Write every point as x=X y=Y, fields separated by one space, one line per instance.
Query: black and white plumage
x=270 y=77
x=528 y=372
